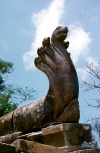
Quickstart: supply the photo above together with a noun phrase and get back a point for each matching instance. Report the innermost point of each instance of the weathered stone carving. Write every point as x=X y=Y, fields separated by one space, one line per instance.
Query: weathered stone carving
x=55 y=62
x=61 y=102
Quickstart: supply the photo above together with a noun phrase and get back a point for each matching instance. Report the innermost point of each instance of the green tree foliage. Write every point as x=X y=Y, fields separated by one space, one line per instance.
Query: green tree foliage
x=5 y=68
x=11 y=96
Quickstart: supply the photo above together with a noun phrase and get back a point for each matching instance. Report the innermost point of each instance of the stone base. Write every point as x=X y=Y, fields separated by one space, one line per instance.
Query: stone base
x=61 y=138
x=75 y=136
x=24 y=146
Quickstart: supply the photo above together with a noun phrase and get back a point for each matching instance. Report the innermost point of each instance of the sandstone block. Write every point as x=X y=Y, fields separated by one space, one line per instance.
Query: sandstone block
x=34 y=136
x=72 y=135
x=10 y=137
x=87 y=151
x=34 y=147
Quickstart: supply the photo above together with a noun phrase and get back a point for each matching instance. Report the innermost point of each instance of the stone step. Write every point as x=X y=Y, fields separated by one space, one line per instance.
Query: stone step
x=74 y=135
x=10 y=137
x=34 y=147
x=33 y=136
x=24 y=146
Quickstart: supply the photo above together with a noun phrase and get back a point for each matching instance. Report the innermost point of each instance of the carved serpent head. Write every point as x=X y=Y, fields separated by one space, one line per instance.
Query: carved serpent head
x=52 y=56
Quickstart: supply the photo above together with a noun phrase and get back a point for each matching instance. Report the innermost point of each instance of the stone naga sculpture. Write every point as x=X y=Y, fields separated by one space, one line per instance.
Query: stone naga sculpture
x=61 y=102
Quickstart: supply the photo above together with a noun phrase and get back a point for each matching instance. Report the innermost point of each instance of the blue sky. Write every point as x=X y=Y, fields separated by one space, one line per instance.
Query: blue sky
x=23 y=25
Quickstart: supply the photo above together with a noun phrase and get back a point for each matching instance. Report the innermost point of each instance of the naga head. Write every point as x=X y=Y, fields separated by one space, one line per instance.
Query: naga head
x=50 y=59
x=59 y=34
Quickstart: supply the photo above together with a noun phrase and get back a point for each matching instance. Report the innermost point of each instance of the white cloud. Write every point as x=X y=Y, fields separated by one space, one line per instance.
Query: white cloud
x=79 y=47
x=79 y=42
x=45 y=22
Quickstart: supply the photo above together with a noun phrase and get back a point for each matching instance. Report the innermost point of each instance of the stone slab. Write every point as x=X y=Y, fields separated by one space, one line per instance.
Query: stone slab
x=23 y=146
x=23 y=136
x=33 y=136
x=72 y=135
x=5 y=148
x=64 y=127
x=87 y=151
x=34 y=147
x=10 y=137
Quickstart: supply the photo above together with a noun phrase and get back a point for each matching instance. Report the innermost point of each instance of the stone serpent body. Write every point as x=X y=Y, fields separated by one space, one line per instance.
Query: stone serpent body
x=61 y=102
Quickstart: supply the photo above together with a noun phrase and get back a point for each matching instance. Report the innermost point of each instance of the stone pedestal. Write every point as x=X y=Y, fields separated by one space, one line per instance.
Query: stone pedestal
x=75 y=136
